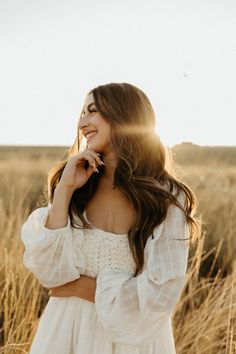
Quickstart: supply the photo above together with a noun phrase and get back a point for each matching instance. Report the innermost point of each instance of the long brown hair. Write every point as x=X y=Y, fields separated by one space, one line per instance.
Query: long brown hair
x=145 y=170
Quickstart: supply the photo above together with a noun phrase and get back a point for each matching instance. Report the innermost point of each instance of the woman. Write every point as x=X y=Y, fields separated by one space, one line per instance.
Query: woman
x=112 y=244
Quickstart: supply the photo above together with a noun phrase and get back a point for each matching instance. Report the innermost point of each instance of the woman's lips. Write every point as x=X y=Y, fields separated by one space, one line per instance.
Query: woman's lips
x=89 y=136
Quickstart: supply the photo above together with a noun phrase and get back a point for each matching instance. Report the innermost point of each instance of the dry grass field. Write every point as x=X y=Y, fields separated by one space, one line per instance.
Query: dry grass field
x=205 y=317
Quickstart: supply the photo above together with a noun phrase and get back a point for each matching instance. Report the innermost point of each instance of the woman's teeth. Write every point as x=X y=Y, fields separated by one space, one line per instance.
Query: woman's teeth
x=90 y=135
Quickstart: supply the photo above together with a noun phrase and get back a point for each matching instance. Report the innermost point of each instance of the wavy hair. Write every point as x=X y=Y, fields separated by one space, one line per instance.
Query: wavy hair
x=145 y=171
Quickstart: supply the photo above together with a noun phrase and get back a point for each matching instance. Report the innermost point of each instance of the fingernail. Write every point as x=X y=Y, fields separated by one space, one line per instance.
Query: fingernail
x=50 y=292
x=102 y=163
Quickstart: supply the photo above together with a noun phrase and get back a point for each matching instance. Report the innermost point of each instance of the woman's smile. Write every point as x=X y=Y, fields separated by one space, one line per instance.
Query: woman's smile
x=90 y=135
x=92 y=123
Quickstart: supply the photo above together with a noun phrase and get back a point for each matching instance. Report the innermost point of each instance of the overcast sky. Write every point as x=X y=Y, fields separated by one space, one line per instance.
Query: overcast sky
x=182 y=54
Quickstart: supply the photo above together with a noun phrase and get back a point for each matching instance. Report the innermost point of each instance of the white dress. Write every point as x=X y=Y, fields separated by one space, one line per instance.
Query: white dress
x=131 y=315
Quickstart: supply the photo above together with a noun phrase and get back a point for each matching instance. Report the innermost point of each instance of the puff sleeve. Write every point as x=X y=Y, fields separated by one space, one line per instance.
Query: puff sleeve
x=52 y=256
x=134 y=309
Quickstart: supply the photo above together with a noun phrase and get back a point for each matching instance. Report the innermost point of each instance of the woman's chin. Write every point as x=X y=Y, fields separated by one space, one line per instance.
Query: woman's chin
x=94 y=147
x=99 y=148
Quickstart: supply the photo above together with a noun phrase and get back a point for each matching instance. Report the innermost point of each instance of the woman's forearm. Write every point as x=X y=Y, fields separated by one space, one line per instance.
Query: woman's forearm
x=58 y=213
x=84 y=287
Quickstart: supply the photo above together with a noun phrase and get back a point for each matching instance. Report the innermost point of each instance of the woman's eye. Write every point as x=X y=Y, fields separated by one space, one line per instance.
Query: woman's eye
x=92 y=110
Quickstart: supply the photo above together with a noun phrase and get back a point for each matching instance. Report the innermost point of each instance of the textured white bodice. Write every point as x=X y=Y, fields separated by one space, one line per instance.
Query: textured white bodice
x=103 y=249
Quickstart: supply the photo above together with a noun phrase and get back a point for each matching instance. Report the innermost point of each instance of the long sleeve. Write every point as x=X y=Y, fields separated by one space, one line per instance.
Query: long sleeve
x=134 y=309
x=52 y=256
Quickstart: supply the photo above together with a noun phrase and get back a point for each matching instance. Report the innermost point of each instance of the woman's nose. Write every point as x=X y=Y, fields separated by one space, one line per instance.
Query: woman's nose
x=84 y=121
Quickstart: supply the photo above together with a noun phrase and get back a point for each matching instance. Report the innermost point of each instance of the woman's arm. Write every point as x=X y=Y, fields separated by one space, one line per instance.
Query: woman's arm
x=58 y=213
x=54 y=256
x=145 y=303
x=84 y=287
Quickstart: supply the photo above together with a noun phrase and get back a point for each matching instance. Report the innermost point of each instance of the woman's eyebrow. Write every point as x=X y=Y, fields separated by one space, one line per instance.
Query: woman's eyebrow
x=89 y=106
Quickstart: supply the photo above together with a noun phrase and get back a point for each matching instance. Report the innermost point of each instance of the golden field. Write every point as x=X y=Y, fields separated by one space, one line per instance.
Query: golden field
x=205 y=316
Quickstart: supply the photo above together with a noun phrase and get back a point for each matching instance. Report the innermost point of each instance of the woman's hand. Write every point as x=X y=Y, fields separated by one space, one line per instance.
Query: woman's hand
x=84 y=287
x=75 y=175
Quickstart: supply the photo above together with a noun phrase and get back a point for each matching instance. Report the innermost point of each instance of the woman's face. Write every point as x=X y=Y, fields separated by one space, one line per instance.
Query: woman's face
x=94 y=127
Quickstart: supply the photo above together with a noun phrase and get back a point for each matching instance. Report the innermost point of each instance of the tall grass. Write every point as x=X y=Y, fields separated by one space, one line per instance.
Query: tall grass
x=204 y=320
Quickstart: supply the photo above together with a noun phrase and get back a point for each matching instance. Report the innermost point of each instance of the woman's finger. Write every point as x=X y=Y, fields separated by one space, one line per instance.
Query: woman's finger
x=90 y=159
x=96 y=157
x=57 y=292
x=65 y=290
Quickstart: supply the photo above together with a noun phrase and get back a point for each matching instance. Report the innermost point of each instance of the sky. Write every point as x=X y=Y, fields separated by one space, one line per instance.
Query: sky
x=182 y=54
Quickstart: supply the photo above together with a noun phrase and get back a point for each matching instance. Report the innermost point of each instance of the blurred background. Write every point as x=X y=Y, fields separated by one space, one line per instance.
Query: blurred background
x=182 y=54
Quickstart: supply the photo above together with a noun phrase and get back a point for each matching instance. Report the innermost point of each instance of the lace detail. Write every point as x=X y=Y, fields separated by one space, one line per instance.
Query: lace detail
x=103 y=249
